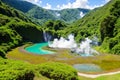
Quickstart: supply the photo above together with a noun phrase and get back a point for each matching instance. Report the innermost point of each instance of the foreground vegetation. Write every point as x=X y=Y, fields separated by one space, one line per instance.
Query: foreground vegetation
x=58 y=71
x=18 y=70
x=15 y=70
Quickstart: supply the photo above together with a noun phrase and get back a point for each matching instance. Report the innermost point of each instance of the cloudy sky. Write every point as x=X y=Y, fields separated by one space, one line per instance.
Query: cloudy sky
x=62 y=4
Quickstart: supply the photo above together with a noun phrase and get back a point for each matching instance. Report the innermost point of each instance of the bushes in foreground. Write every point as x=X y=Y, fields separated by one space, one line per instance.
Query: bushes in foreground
x=15 y=70
x=57 y=71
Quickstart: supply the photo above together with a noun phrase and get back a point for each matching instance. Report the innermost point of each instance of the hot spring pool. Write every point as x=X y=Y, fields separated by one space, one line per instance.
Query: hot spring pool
x=87 y=68
x=37 y=49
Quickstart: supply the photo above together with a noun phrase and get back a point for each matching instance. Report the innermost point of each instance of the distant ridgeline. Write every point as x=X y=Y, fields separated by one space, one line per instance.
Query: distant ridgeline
x=41 y=15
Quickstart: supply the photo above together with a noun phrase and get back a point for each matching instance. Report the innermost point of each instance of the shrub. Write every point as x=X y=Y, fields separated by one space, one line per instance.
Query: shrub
x=57 y=71
x=15 y=70
x=2 y=53
x=116 y=49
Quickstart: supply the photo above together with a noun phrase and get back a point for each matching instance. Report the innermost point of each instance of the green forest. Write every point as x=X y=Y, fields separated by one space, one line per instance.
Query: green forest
x=21 y=26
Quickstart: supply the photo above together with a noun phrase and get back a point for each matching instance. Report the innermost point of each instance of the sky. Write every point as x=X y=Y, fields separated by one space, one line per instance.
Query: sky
x=63 y=4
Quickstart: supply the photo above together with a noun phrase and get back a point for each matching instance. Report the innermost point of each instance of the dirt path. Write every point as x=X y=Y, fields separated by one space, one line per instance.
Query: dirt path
x=97 y=75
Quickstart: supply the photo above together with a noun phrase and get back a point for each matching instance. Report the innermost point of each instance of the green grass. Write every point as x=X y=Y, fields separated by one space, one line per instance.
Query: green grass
x=20 y=70
x=108 y=62
x=105 y=61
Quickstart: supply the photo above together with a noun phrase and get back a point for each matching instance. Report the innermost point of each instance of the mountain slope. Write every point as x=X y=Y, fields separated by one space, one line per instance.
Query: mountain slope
x=42 y=15
x=21 y=5
x=101 y=23
x=15 y=28
x=69 y=15
x=91 y=22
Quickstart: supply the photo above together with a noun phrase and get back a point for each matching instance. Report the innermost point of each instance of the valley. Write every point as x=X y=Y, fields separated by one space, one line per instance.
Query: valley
x=22 y=27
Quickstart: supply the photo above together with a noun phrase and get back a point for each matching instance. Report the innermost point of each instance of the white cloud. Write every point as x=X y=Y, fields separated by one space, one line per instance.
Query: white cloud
x=79 y=4
x=48 y=6
x=107 y=1
x=38 y=2
x=58 y=6
x=75 y=4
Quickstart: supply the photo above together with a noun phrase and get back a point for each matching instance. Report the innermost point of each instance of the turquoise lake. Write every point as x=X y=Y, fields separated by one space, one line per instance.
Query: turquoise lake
x=37 y=49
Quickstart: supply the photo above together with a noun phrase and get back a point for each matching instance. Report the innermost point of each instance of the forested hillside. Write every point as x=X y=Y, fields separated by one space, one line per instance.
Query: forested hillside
x=102 y=22
x=21 y=5
x=110 y=30
x=16 y=28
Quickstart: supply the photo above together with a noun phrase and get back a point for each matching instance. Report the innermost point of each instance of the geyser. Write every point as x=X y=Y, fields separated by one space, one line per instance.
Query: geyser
x=84 y=49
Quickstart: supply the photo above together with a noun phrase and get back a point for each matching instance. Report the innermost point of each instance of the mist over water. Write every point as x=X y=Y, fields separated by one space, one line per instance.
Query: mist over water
x=83 y=48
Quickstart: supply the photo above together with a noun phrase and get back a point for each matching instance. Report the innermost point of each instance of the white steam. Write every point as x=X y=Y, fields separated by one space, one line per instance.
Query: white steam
x=83 y=49
x=64 y=43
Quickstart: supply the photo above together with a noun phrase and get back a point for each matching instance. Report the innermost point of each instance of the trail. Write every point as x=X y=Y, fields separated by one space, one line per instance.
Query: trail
x=97 y=75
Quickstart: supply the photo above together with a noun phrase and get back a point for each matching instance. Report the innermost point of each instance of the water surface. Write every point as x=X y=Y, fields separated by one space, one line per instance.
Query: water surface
x=37 y=49
x=87 y=67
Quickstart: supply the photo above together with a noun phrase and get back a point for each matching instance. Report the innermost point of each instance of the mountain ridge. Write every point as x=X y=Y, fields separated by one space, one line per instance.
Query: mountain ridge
x=32 y=10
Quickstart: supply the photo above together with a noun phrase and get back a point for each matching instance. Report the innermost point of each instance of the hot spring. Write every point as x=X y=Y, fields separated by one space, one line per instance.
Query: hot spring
x=84 y=48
